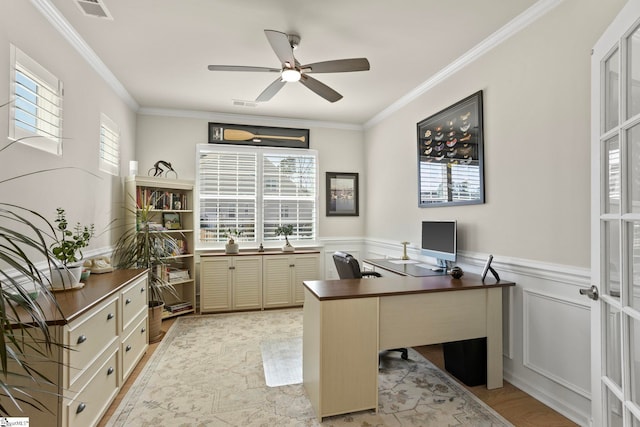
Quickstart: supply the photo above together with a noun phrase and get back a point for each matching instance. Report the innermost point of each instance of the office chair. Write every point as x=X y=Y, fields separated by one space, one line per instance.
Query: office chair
x=348 y=268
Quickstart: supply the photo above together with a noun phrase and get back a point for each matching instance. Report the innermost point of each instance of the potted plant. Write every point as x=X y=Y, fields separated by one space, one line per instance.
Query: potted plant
x=232 y=247
x=286 y=231
x=147 y=245
x=68 y=250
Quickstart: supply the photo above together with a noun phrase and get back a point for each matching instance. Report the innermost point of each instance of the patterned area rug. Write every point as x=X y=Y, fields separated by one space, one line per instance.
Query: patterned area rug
x=208 y=371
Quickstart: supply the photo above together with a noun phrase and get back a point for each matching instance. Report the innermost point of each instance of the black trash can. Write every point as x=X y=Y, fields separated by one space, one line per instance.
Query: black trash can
x=467 y=360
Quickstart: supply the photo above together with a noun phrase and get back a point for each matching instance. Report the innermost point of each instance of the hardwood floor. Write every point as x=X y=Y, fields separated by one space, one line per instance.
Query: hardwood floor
x=513 y=404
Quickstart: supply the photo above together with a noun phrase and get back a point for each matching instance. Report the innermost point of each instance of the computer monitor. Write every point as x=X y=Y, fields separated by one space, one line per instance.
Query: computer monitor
x=439 y=241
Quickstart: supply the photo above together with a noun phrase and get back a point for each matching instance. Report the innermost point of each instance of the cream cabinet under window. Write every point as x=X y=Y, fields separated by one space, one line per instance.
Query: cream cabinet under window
x=255 y=280
x=230 y=283
x=282 y=278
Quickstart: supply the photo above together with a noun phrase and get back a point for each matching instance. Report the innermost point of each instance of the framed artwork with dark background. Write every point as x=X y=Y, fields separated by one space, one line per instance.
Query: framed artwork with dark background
x=224 y=133
x=342 y=194
x=450 y=155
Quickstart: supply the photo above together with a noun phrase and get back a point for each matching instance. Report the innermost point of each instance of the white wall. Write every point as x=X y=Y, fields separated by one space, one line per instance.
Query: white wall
x=536 y=219
x=536 y=125
x=173 y=137
x=86 y=198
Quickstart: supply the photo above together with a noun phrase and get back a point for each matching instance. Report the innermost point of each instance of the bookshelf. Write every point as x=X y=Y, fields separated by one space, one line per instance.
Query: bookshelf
x=172 y=213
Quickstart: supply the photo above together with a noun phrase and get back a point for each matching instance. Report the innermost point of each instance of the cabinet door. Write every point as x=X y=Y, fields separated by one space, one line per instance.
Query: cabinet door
x=277 y=281
x=247 y=282
x=306 y=268
x=215 y=284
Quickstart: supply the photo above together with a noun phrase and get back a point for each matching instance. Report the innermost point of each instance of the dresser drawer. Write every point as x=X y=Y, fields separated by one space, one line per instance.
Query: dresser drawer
x=88 y=337
x=92 y=401
x=133 y=346
x=133 y=300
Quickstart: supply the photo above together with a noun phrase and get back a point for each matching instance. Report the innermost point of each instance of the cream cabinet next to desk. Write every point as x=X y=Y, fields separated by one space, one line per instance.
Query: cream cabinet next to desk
x=283 y=276
x=255 y=280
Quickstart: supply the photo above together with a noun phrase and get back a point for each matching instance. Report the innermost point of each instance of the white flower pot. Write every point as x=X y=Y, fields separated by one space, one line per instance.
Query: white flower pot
x=231 y=248
x=69 y=278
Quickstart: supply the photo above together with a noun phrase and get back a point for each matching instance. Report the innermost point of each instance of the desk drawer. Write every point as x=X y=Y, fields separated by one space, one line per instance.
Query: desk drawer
x=133 y=346
x=133 y=300
x=88 y=337
x=91 y=402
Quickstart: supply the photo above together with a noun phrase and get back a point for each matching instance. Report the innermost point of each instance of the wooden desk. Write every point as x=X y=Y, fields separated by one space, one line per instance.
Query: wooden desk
x=347 y=322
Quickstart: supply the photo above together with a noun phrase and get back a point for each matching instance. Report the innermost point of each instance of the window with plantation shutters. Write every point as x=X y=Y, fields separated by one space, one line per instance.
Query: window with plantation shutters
x=109 y=160
x=256 y=190
x=36 y=107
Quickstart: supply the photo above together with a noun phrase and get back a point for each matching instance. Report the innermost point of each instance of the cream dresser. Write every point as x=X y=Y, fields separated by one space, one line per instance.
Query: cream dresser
x=103 y=329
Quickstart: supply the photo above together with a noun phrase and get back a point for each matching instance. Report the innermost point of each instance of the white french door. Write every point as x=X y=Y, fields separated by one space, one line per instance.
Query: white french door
x=615 y=222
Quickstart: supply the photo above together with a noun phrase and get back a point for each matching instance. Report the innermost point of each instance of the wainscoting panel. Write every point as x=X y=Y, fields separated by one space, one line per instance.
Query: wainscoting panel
x=557 y=340
x=546 y=335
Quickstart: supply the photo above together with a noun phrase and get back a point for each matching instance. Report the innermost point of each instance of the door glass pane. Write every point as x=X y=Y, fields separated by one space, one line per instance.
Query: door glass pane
x=634 y=345
x=611 y=91
x=613 y=352
x=614 y=410
x=633 y=165
x=612 y=258
x=633 y=77
x=612 y=175
x=634 y=241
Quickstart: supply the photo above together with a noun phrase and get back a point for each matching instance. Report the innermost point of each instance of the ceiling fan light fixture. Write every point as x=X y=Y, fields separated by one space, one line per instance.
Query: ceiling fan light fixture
x=290 y=75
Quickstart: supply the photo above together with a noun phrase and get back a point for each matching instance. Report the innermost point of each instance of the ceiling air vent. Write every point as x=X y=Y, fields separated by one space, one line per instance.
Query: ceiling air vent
x=241 y=103
x=95 y=8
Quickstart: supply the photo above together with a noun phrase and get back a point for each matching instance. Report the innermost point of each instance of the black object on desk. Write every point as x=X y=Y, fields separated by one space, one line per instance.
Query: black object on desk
x=467 y=360
x=407 y=269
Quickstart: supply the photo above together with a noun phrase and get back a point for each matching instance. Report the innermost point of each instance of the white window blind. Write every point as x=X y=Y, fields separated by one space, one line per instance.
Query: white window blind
x=36 y=110
x=256 y=190
x=289 y=195
x=109 y=160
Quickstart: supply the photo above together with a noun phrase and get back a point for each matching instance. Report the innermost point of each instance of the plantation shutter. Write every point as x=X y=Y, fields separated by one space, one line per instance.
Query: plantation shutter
x=289 y=194
x=109 y=146
x=228 y=194
x=36 y=111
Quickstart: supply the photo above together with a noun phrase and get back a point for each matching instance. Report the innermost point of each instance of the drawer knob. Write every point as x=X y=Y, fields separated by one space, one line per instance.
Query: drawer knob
x=81 y=339
x=81 y=407
x=143 y=330
x=127 y=301
x=110 y=370
x=141 y=290
x=128 y=348
x=109 y=316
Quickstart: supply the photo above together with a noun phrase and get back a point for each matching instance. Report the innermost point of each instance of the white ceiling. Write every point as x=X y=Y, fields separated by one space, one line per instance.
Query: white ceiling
x=159 y=49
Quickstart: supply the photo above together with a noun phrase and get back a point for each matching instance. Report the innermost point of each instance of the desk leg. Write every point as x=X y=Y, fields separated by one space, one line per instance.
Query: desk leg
x=494 y=338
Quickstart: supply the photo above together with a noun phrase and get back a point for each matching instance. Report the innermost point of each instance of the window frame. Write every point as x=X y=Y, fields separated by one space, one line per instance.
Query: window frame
x=22 y=63
x=260 y=198
x=109 y=126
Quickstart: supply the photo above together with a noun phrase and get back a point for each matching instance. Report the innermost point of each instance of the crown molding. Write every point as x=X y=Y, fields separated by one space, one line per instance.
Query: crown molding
x=247 y=119
x=53 y=15
x=520 y=22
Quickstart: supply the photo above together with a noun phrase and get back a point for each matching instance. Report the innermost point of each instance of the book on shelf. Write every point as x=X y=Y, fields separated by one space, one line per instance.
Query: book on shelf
x=172 y=274
x=160 y=200
x=179 y=306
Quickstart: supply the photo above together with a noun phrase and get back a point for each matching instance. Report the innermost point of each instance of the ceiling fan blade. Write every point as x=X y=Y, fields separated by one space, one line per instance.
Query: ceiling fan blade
x=320 y=88
x=271 y=90
x=280 y=44
x=241 y=68
x=338 y=66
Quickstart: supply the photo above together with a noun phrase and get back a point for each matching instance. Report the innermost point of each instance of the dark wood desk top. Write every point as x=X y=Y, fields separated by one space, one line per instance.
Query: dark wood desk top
x=75 y=302
x=388 y=286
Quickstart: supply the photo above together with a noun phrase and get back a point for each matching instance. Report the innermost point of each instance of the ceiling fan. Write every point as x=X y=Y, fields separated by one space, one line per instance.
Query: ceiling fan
x=291 y=71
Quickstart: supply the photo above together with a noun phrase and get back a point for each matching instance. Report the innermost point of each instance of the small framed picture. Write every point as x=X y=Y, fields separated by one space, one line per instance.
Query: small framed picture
x=171 y=221
x=342 y=194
